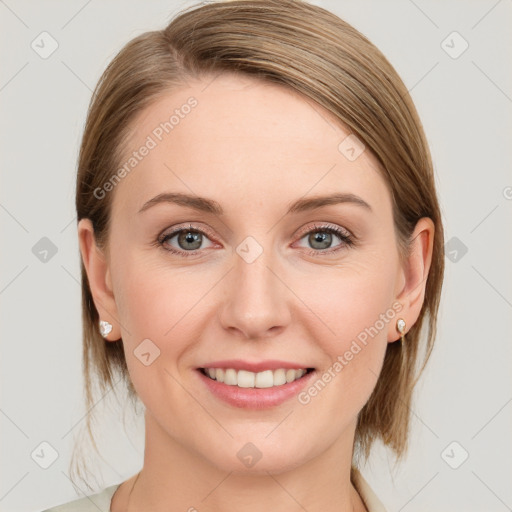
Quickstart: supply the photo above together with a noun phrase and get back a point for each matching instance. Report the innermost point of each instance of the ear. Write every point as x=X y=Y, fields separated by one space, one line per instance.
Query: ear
x=98 y=274
x=412 y=278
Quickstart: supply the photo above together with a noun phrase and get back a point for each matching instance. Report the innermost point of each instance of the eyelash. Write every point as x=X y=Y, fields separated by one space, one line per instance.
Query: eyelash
x=347 y=240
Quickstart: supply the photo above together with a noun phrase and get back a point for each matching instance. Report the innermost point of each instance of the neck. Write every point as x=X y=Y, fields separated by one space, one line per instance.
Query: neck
x=175 y=477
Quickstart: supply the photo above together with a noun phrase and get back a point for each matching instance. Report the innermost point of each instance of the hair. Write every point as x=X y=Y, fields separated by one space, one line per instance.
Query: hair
x=309 y=50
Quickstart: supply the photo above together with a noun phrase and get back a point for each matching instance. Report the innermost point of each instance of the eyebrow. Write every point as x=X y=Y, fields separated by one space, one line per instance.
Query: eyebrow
x=206 y=205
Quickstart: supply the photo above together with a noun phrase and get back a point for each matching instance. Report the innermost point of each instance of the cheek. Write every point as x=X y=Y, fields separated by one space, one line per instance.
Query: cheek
x=353 y=312
x=166 y=305
x=152 y=301
x=349 y=302
x=157 y=304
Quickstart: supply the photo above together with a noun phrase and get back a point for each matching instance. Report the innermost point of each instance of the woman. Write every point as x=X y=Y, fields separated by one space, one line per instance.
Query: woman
x=279 y=143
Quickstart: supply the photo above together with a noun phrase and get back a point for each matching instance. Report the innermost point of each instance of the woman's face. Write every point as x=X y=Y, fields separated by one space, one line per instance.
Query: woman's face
x=242 y=270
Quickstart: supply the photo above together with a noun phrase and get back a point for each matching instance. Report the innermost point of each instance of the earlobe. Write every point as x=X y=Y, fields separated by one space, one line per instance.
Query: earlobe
x=414 y=274
x=100 y=283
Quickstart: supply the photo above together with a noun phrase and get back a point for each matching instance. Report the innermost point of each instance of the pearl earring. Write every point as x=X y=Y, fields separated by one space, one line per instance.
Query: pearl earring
x=400 y=325
x=105 y=328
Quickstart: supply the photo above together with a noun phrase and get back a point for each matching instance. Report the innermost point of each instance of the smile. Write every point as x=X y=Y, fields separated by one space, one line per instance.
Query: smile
x=247 y=379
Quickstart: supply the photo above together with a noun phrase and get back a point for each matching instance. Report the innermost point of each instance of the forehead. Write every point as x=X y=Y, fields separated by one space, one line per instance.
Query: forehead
x=242 y=136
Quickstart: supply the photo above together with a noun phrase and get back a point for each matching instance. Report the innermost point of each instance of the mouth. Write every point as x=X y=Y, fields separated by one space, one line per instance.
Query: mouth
x=271 y=378
x=255 y=385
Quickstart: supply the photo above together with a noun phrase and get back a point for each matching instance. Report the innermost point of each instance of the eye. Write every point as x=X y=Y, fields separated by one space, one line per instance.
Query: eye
x=188 y=241
x=321 y=238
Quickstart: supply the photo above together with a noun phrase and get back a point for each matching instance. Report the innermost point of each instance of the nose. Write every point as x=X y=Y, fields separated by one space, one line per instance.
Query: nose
x=256 y=299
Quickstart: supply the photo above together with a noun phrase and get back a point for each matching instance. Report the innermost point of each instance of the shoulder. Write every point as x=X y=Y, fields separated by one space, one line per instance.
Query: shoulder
x=370 y=499
x=94 y=503
x=101 y=500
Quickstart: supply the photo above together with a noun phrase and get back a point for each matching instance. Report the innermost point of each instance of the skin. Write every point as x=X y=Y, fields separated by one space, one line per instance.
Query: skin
x=253 y=147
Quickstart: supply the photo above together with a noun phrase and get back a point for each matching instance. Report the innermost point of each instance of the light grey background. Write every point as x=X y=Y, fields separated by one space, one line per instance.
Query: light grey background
x=465 y=104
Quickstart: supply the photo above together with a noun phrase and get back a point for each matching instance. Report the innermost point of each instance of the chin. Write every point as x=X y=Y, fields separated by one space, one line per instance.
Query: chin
x=258 y=457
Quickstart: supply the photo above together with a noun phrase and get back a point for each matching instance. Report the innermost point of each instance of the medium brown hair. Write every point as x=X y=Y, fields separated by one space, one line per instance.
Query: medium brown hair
x=309 y=50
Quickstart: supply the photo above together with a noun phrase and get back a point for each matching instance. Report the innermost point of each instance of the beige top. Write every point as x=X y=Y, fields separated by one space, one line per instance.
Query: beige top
x=101 y=501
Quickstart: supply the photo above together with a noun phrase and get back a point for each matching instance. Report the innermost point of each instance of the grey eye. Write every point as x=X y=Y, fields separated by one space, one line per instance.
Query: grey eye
x=320 y=240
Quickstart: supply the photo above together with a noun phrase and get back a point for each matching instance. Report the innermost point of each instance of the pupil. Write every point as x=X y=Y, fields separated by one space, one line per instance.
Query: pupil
x=188 y=237
x=323 y=239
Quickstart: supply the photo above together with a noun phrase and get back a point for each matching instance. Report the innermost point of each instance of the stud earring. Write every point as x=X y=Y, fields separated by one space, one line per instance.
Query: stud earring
x=400 y=325
x=105 y=328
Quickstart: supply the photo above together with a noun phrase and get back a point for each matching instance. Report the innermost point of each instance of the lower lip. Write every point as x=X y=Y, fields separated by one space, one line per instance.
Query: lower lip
x=256 y=398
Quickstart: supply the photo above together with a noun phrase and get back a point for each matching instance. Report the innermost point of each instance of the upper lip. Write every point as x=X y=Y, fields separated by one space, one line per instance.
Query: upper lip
x=270 y=364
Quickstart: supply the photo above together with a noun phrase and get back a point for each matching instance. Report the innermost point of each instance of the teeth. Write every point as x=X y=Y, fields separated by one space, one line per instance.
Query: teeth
x=279 y=377
x=230 y=377
x=264 y=379
x=219 y=374
x=246 y=379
